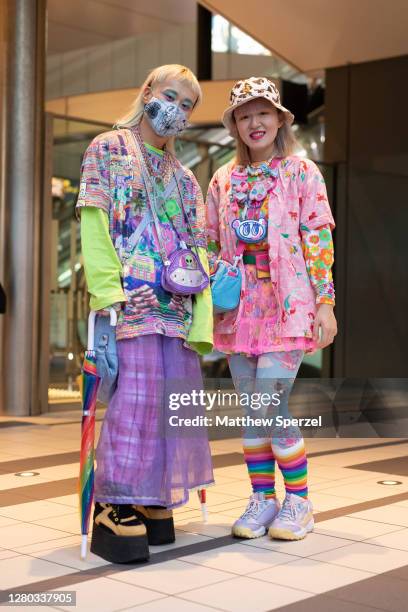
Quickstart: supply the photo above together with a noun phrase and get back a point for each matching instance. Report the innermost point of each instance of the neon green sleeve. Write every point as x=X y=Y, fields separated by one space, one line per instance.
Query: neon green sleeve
x=200 y=336
x=101 y=263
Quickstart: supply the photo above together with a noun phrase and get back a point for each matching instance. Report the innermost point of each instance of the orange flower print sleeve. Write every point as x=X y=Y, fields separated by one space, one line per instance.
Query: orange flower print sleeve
x=317 y=245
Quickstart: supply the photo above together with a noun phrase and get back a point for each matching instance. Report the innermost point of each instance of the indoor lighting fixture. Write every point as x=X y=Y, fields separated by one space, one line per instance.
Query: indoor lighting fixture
x=27 y=474
x=389 y=483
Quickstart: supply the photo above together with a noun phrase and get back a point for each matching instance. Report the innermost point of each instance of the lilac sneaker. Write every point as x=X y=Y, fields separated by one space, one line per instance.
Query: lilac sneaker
x=257 y=517
x=294 y=521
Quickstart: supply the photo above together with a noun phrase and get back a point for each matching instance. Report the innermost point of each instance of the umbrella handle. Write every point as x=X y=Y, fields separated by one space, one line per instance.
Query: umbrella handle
x=91 y=326
x=84 y=546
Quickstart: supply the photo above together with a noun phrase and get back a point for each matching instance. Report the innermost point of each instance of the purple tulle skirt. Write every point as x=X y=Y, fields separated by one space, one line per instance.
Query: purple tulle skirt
x=144 y=456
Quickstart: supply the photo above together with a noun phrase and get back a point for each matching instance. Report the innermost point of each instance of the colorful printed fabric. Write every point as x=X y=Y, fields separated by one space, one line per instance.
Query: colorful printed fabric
x=318 y=252
x=141 y=458
x=290 y=455
x=111 y=180
x=297 y=206
x=260 y=462
x=256 y=333
x=270 y=373
x=103 y=272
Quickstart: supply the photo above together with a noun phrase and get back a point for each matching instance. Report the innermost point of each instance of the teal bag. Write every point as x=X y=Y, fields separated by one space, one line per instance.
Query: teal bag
x=226 y=286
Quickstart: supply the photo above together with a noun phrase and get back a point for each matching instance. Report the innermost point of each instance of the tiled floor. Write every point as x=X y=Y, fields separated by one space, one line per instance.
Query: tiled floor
x=357 y=552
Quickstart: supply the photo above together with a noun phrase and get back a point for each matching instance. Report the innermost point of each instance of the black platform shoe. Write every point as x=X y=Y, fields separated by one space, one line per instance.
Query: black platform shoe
x=159 y=524
x=118 y=535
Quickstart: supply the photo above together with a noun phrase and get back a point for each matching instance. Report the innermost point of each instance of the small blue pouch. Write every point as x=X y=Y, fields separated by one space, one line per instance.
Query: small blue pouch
x=106 y=358
x=226 y=287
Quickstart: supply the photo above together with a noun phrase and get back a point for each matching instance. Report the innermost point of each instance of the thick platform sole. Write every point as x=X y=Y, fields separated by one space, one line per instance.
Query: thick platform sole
x=159 y=531
x=119 y=549
x=247 y=533
x=286 y=534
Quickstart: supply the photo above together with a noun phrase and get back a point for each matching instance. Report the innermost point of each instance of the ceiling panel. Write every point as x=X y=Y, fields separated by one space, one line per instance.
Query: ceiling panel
x=315 y=34
x=81 y=23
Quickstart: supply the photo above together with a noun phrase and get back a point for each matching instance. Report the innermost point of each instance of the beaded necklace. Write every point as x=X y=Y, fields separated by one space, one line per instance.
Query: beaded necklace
x=165 y=170
x=251 y=184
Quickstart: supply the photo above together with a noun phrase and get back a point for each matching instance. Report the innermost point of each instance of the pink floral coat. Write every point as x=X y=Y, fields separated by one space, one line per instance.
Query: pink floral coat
x=297 y=204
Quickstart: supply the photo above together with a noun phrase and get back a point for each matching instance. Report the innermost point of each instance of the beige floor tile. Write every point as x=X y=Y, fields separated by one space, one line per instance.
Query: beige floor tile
x=391 y=514
x=26 y=570
x=172 y=577
x=238 y=489
x=70 y=556
x=214 y=498
x=331 y=473
x=65 y=500
x=239 y=559
x=33 y=511
x=323 y=502
x=243 y=594
x=397 y=539
x=232 y=510
x=361 y=482
x=182 y=539
x=188 y=513
x=66 y=541
x=226 y=446
x=171 y=604
x=10 y=481
x=7 y=554
x=313 y=544
x=233 y=471
x=106 y=595
x=216 y=526
x=403 y=503
x=313 y=576
x=219 y=480
x=360 y=491
x=22 y=534
x=377 y=559
x=353 y=528
x=6 y=520
x=69 y=523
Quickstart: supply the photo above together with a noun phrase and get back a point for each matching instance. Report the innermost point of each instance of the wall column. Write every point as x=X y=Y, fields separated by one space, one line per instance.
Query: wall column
x=21 y=195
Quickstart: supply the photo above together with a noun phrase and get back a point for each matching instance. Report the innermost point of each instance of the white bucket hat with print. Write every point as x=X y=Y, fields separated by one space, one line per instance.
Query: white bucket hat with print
x=249 y=89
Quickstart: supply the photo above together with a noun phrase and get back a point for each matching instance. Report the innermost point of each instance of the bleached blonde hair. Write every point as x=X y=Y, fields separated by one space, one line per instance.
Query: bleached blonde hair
x=156 y=77
x=285 y=143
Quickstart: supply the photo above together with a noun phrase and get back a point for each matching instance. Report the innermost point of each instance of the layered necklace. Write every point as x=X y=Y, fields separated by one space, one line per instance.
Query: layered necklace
x=250 y=185
x=164 y=172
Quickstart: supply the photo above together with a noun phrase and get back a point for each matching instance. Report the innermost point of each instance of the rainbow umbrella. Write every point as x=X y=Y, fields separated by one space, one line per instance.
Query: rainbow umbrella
x=90 y=384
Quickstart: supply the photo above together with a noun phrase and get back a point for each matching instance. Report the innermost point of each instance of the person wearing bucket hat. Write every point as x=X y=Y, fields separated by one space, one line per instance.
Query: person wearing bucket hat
x=270 y=206
x=137 y=205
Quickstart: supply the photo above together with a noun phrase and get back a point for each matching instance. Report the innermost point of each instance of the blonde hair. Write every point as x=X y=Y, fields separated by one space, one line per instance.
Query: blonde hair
x=157 y=77
x=285 y=143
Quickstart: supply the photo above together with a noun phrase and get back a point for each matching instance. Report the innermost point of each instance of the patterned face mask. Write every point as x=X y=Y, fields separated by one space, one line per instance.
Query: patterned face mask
x=166 y=119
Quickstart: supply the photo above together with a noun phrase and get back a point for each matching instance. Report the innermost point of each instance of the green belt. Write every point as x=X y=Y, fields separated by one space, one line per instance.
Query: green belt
x=249 y=259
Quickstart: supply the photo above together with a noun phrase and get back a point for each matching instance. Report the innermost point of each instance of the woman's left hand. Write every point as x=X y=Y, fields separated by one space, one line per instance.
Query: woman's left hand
x=326 y=321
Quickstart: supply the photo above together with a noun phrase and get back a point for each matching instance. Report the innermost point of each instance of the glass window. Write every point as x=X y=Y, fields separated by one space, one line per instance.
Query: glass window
x=227 y=38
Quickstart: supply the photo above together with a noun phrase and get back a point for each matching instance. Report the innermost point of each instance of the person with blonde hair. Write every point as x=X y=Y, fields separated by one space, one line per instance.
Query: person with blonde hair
x=268 y=209
x=144 y=250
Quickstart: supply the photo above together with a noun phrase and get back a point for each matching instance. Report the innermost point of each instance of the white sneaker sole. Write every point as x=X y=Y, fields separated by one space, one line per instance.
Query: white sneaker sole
x=286 y=534
x=245 y=532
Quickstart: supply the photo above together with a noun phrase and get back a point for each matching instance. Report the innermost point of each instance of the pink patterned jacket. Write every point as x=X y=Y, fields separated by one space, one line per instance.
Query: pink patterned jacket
x=297 y=204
